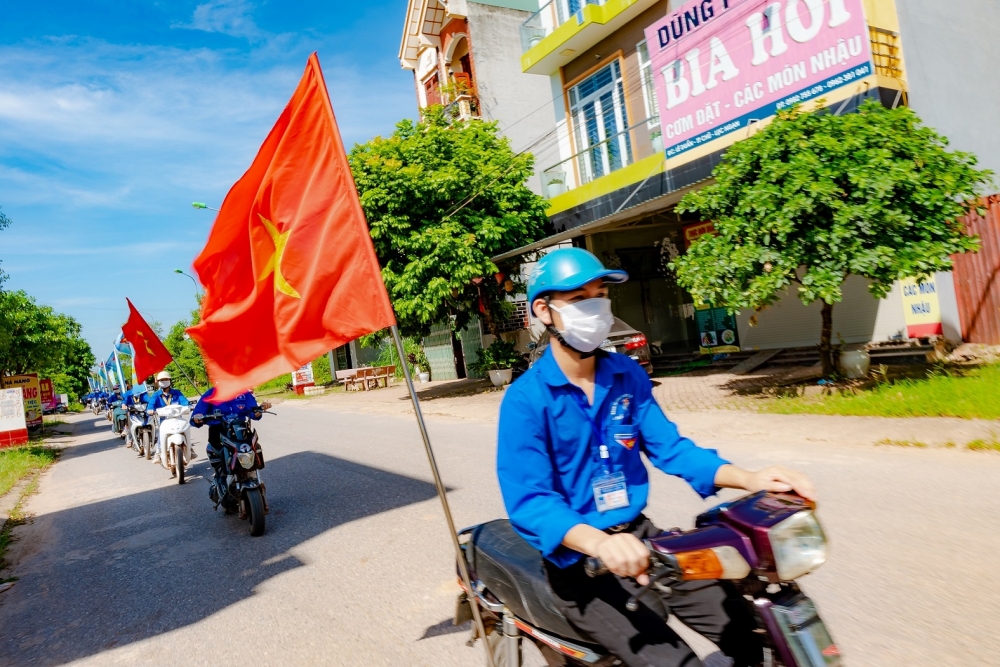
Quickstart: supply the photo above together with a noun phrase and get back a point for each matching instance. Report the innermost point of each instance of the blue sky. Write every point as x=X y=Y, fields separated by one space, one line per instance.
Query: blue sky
x=116 y=115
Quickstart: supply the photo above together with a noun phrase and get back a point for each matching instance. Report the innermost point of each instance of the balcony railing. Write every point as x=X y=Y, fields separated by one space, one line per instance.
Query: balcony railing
x=551 y=15
x=617 y=151
x=465 y=106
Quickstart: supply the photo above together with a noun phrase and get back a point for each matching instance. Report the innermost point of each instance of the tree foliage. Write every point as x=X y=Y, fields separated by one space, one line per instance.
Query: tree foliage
x=187 y=356
x=441 y=198
x=815 y=197
x=36 y=339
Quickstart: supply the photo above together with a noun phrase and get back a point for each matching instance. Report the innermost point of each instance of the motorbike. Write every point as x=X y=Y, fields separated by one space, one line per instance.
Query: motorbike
x=119 y=418
x=142 y=429
x=175 y=438
x=242 y=459
x=762 y=543
x=98 y=405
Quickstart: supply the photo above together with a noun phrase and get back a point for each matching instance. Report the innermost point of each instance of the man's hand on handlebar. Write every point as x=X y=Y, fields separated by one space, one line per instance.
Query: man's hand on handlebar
x=266 y=405
x=624 y=554
x=773 y=478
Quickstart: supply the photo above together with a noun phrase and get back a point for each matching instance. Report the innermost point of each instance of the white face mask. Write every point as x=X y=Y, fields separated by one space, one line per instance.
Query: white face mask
x=164 y=384
x=586 y=324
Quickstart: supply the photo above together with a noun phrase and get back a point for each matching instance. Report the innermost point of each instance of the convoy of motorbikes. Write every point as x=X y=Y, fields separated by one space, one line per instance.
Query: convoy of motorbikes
x=163 y=436
x=762 y=543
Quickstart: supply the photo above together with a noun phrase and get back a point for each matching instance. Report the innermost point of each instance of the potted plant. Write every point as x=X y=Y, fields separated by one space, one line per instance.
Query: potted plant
x=497 y=361
x=418 y=360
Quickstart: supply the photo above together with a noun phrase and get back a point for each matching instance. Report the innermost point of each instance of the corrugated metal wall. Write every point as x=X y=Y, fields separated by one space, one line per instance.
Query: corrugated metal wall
x=977 y=279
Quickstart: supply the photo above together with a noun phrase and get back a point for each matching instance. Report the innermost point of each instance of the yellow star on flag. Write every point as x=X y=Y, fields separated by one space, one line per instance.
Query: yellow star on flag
x=280 y=239
x=145 y=342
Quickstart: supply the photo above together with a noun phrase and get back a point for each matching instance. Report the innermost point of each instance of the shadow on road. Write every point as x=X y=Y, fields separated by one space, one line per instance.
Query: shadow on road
x=135 y=566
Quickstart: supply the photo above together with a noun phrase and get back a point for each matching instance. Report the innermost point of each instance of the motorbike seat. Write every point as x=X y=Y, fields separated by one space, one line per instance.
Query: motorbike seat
x=512 y=570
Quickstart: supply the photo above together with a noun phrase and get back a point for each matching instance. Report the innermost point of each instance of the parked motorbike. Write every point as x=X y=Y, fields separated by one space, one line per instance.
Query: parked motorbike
x=142 y=428
x=241 y=459
x=175 y=439
x=762 y=543
x=119 y=418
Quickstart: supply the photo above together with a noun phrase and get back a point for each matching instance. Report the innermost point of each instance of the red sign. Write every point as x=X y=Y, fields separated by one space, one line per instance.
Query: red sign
x=46 y=387
x=691 y=232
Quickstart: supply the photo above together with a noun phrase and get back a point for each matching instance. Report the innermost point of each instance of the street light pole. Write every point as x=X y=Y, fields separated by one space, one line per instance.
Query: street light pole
x=197 y=292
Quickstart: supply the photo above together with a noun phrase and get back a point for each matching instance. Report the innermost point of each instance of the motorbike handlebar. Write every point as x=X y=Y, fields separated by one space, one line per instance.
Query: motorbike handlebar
x=219 y=416
x=594 y=567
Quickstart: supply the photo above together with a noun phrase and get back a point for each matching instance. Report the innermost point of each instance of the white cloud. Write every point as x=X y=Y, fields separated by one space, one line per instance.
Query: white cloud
x=138 y=119
x=103 y=147
x=229 y=17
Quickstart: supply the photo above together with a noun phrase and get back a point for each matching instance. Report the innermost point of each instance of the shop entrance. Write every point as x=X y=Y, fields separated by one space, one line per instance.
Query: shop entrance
x=651 y=301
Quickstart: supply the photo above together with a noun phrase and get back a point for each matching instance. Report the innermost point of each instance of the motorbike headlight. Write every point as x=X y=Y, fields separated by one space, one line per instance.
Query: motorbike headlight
x=246 y=459
x=798 y=544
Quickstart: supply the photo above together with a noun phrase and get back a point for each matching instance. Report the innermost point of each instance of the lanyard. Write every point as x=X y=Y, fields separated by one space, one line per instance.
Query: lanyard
x=602 y=452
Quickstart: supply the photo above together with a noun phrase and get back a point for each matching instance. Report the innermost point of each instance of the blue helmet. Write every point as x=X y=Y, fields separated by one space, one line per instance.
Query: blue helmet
x=568 y=269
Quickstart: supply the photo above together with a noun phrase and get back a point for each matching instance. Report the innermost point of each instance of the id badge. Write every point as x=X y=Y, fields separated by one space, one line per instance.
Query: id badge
x=610 y=492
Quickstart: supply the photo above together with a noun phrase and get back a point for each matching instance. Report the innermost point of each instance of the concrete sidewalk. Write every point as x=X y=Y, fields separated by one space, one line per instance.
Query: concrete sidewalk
x=698 y=404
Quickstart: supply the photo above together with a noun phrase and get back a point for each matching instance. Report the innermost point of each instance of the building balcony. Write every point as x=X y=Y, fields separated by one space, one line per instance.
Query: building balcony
x=610 y=164
x=463 y=107
x=563 y=29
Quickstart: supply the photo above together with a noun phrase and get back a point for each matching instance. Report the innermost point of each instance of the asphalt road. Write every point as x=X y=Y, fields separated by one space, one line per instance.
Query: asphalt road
x=122 y=567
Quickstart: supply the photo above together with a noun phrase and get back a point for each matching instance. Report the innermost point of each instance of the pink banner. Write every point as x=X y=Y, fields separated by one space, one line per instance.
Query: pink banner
x=720 y=65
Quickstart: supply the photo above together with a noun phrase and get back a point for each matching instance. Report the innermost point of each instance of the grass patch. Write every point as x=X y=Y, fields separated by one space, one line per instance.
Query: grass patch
x=991 y=445
x=889 y=442
x=969 y=394
x=16 y=462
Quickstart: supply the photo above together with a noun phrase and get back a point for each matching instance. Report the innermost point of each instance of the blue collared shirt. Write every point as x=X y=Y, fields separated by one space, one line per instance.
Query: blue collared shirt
x=157 y=400
x=241 y=404
x=548 y=457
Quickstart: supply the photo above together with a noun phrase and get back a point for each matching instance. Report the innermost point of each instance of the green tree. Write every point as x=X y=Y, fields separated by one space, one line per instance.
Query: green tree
x=187 y=356
x=36 y=339
x=815 y=197
x=442 y=197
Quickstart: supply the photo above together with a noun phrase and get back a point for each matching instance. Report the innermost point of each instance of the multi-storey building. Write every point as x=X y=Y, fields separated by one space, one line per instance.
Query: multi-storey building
x=466 y=55
x=653 y=91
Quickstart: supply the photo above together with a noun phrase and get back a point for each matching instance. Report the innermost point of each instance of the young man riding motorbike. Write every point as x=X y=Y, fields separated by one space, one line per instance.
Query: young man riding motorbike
x=568 y=461
x=244 y=403
x=164 y=396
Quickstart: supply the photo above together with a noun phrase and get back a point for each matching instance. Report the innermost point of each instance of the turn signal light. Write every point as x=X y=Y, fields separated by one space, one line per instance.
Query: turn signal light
x=635 y=342
x=714 y=563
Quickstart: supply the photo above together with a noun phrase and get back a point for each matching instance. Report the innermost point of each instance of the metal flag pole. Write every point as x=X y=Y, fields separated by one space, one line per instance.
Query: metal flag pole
x=121 y=372
x=187 y=377
x=463 y=567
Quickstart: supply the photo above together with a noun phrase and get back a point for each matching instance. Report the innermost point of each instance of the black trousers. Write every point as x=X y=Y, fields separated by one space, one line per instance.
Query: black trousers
x=596 y=608
x=214 y=449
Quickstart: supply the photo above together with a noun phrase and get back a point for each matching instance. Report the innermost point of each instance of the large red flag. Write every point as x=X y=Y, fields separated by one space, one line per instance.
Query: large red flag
x=289 y=268
x=151 y=356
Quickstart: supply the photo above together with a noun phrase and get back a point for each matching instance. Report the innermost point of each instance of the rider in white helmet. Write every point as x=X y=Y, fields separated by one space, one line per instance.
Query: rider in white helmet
x=164 y=396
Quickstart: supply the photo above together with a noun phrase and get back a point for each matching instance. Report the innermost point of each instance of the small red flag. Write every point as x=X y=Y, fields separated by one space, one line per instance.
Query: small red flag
x=151 y=356
x=289 y=268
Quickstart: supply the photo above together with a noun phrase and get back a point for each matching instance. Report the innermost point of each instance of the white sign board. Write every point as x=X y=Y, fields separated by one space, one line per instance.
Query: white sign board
x=303 y=376
x=13 y=428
